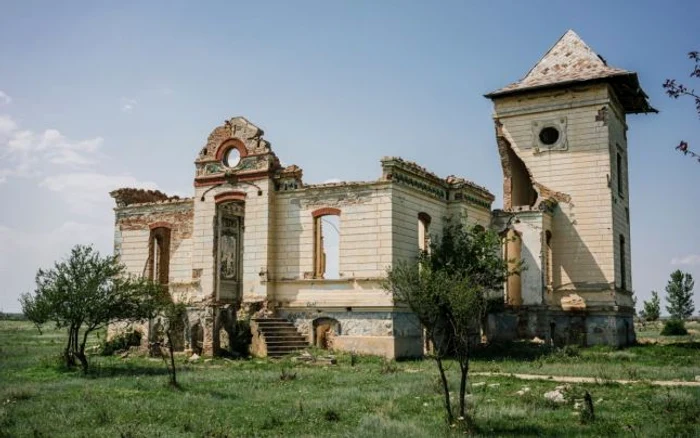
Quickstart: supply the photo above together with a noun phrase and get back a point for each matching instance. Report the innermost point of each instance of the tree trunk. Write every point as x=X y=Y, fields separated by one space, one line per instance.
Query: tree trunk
x=463 y=390
x=68 y=352
x=463 y=357
x=445 y=389
x=173 y=377
x=80 y=354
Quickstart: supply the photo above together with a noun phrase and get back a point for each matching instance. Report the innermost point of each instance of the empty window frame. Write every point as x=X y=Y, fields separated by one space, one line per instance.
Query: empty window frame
x=327 y=243
x=424 y=231
x=549 y=259
x=159 y=255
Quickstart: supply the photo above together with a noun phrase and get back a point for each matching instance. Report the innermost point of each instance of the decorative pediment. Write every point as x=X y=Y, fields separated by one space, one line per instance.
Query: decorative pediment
x=235 y=150
x=235 y=129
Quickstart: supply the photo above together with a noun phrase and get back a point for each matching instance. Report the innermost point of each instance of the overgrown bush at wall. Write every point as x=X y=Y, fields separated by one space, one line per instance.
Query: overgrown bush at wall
x=240 y=344
x=674 y=327
x=121 y=342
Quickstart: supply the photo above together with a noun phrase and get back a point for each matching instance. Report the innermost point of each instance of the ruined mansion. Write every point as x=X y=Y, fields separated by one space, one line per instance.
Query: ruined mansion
x=307 y=260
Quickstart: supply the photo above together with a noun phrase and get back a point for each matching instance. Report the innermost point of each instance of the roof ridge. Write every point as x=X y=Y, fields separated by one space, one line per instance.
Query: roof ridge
x=550 y=49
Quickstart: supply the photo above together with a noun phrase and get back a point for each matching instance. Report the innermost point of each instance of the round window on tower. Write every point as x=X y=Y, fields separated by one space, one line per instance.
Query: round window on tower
x=232 y=157
x=549 y=135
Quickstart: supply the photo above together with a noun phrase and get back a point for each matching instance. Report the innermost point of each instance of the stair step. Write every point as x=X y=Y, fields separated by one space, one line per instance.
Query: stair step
x=286 y=341
x=279 y=330
x=281 y=336
x=287 y=344
x=279 y=347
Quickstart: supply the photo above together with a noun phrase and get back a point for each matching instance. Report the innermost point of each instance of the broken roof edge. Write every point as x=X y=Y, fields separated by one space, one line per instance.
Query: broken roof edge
x=643 y=107
x=450 y=182
x=128 y=196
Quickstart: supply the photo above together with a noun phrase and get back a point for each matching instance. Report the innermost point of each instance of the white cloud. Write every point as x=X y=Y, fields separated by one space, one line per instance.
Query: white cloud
x=690 y=259
x=127 y=105
x=7 y=126
x=332 y=181
x=87 y=193
x=4 y=98
x=24 y=153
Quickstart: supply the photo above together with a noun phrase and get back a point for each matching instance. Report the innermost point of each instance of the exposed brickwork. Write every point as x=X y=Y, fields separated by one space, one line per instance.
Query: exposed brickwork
x=325 y=211
x=230 y=144
x=160 y=224
x=229 y=196
x=129 y=196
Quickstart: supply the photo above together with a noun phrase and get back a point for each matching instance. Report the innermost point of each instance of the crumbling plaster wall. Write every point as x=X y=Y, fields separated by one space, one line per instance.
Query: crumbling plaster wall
x=407 y=203
x=386 y=333
x=531 y=227
x=365 y=229
x=132 y=233
x=577 y=176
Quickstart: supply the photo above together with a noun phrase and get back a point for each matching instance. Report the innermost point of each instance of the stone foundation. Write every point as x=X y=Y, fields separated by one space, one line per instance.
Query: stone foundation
x=391 y=334
x=586 y=327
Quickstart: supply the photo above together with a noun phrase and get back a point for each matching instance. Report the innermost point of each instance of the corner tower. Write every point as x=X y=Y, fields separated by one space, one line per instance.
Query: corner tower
x=562 y=137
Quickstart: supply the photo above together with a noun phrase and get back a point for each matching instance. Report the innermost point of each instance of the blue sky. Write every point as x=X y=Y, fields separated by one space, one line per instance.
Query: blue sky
x=94 y=97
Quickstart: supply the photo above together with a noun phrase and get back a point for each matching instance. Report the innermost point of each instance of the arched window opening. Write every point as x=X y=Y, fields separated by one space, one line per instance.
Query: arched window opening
x=197 y=338
x=159 y=255
x=325 y=330
x=327 y=244
x=424 y=231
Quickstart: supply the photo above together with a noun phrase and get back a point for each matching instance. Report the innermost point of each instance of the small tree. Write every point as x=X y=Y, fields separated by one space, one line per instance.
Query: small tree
x=652 y=308
x=446 y=289
x=679 y=295
x=86 y=292
x=172 y=314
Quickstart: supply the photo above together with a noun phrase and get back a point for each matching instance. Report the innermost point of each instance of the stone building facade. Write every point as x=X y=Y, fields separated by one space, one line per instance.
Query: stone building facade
x=254 y=234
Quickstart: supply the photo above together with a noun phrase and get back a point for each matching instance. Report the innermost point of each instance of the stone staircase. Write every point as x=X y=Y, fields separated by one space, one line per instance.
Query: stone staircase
x=281 y=336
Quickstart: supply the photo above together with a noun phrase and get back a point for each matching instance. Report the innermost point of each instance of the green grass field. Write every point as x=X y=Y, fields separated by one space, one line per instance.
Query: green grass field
x=224 y=398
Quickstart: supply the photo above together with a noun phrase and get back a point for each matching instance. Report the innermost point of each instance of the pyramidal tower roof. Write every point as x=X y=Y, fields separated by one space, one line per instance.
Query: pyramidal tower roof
x=572 y=61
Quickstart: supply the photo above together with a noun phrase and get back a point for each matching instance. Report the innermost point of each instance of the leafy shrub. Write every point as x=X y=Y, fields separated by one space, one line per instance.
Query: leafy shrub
x=678 y=404
x=571 y=350
x=241 y=341
x=121 y=342
x=674 y=327
x=567 y=353
x=331 y=415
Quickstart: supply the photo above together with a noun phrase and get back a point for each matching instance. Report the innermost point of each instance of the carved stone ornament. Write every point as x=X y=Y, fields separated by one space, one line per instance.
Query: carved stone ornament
x=236 y=128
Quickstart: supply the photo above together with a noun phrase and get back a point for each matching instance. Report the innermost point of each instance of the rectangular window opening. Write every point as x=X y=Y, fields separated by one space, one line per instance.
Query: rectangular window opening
x=327 y=247
x=620 y=179
x=159 y=255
